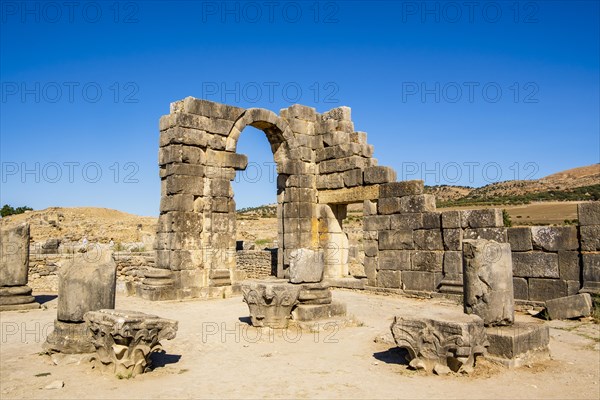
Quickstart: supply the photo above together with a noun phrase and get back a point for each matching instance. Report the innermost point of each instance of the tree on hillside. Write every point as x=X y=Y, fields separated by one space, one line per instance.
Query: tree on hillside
x=8 y=210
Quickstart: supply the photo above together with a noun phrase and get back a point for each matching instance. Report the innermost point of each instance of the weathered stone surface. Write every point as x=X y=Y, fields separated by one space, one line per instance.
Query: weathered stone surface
x=488 y=289
x=431 y=261
x=591 y=272
x=316 y=312
x=518 y=344
x=451 y=219
x=270 y=301
x=432 y=220
x=485 y=218
x=495 y=234
x=520 y=238
x=86 y=284
x=69 y=338
x=396 y=240
x=428 y=239
x=406 y=221
x=535 y=264
x=401 y=189
x=579 y=305
x=14 y=255
x=389 y=279
x=554 y=238
x=589 y=213
x=590 y=238
x=314 y=293
x=546 y=289
x=378 y=174
x=569 y=265
x=50 y=246
x=440 y=339
x=521 y=288
x=398 y=260
x=376 y=222
x=453 y=263
x=417 y=203
x=452 y=239
x=419 y=281
x=124 y=340
x=306 y=265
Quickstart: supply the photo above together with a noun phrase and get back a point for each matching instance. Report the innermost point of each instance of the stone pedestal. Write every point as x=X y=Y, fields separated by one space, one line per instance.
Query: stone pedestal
x=88 y=283
x=317 y=312
x=14 y=268
x=124 y=340
x=314 y=293
x=440 y=341
x=270 y=301
x=519 y=344
x=488 y=281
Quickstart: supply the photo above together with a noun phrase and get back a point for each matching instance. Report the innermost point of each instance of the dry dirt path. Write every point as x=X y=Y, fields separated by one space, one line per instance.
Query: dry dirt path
x=217 y=355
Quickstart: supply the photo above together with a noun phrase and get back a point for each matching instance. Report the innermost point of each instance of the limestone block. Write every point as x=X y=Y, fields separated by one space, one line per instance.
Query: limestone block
x=546 y=289
x=175 y=153
x=484 y=218
x=340 y=150
x=430 y=261
x=407 y=221
x=591 y=272
x=519 y=344
x=452 y=239
x=226 y=159
x=396 y=240
x=370 y=265
x=342 y=164
x=432 y=220
x=177 y=202
x=589 y=213
x=428 y=239
x=579 y=305
x=488 y=284
x=14 y=255
x=521 y=288
x=184 y=169
x=401 y=189
x=299 y=111
x=314 y=293
x=390 y=205
x=210 y=109
x=69 y=338
x=87 y=283
x=359 y=137
x=270 y=301
x=370 y=247
x=453 y=263
x=376 y=222
x=590 y=238
x=184 y=184
x=335 y=138
x=568 y=265
x=520 y=238
x=369 y=207
x=330 y=181
x=419 y=281
x=389 y=279
x=378 y=174
x=417 y=203
x=554 y=238
x=306 y=265
x=495 y=234
x=451 y=219
x=440 y=340
x=398 y=260
x=187 y=136
x=535 y=264
x=315 y=312
x=342 y=113
x=124 y=340
x=353 y=177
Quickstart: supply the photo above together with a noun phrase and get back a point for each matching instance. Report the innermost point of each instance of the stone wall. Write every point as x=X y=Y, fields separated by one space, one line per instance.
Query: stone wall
x=257 y=263
x=43 y=268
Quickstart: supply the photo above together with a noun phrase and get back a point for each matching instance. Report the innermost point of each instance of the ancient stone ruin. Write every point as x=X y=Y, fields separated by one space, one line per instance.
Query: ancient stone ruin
x=14 y=269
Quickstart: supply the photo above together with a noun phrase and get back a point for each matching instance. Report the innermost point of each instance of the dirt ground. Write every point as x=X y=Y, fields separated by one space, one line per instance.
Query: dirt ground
x=216 y=354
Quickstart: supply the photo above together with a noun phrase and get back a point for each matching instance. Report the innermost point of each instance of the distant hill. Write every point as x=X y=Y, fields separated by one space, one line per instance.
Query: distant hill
x=582 y=183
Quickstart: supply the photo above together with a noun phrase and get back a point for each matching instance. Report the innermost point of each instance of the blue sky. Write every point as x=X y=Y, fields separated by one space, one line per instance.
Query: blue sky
x=452 y=92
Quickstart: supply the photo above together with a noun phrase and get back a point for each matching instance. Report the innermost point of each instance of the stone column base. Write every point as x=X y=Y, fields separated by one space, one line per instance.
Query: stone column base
x=69 y=338
x=316 y=312
x=519 y=344
x=17 y=298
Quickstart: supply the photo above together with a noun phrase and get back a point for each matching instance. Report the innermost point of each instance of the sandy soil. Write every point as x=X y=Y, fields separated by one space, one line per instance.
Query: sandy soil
x=218 y=355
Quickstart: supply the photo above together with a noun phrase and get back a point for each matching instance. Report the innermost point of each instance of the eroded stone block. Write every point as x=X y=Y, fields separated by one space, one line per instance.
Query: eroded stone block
x=579 y=305
x=270 y=301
